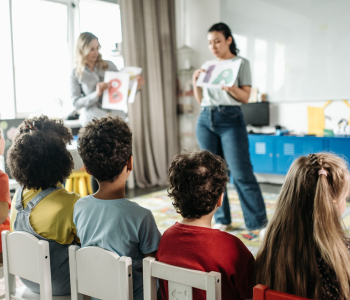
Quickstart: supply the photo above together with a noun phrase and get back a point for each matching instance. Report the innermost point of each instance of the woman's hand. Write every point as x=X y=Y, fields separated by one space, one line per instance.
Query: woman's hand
x=231 y=89
x=140 y=81
x=239 y=93
x=100 y=87
x=196 y=74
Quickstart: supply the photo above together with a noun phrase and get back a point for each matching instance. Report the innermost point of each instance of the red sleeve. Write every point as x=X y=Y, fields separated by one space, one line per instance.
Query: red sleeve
x=243 y=277
x=5 y=189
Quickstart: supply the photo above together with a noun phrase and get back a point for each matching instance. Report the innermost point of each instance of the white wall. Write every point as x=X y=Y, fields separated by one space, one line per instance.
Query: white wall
x=193 y=19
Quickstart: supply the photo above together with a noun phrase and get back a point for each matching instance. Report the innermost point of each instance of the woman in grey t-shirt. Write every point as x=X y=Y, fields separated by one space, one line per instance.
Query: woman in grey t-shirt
x=86 y=80
x=221 y=130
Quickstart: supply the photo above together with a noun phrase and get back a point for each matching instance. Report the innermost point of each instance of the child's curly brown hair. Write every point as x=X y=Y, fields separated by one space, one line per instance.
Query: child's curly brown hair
x=38 y=158
x=197 y=180
x=45 y=124
x=105 y=146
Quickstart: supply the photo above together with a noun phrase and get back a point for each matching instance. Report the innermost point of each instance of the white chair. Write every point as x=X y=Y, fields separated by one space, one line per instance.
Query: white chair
x=27 y=257
x=180 y=281
x=100 y=274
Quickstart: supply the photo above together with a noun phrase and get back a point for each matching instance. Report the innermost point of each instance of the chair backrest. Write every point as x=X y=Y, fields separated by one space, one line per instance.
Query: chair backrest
x=100 y=274
x=262 y=292
x=27 y=257
x=180 y=281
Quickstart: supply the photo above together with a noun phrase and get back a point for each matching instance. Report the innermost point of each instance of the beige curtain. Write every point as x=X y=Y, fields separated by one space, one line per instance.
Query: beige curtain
x=148 y=30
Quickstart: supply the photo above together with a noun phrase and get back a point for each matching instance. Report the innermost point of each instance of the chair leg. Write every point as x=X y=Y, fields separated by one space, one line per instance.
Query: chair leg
x=89 y=186
x=69 y=184
x=82 y=187
x=76 y=185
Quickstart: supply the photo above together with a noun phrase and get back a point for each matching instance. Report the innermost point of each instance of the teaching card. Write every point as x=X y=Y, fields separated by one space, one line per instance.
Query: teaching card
x=219 y=73
x=116 y=96
x=133 y=71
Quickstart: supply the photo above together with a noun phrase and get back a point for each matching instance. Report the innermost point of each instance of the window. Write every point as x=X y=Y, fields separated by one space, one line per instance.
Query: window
x=39 y=48
x=41 y=55
x=103 y=20
x=7 y=103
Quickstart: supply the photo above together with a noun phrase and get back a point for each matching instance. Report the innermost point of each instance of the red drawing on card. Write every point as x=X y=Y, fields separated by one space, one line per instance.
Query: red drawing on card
x=114 y=94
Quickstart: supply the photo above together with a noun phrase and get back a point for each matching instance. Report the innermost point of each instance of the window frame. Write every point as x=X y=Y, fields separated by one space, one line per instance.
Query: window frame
x=73 y=32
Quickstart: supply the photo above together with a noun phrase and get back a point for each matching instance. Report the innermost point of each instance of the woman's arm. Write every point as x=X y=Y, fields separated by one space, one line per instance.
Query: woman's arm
x=241 y=94
x=198 y=92
x=76 y=97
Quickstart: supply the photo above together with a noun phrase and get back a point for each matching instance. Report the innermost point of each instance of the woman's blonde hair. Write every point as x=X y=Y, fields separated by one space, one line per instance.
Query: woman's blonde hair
x=307 y=224
x=83 y=49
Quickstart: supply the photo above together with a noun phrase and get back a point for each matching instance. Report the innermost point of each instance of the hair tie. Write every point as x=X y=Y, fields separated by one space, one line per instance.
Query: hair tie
x=322 y=172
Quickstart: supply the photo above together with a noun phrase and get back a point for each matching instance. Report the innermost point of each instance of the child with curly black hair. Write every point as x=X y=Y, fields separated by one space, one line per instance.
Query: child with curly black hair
x=40 y=162
x=197 y=183
x=107 y=219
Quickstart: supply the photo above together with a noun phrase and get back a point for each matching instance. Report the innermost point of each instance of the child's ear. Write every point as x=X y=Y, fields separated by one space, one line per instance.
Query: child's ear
x=130 y=163
x=87 y=171
x=221 y=199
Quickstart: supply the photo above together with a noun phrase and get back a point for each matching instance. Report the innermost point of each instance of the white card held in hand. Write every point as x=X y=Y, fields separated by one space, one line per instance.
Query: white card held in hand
x=133 y=71
x=116 y=96
x=219 y=73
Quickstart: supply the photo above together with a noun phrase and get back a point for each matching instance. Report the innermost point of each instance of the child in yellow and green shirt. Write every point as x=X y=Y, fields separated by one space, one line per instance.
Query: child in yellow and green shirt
x=40 y=162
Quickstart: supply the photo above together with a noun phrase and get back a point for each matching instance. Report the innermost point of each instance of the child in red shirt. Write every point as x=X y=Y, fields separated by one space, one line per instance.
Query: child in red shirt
x=5 y=198
x=197 y=182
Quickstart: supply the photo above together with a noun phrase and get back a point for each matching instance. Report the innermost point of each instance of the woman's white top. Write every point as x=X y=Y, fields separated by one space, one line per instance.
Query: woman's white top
x=216 y=97
x=84 y=95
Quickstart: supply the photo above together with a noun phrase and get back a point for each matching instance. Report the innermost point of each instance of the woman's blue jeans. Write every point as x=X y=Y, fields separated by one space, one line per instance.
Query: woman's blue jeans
x=222 y=131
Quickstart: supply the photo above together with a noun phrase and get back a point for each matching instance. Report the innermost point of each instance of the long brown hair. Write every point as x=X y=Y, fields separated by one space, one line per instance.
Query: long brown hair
x=306 y=224
x=82 y=50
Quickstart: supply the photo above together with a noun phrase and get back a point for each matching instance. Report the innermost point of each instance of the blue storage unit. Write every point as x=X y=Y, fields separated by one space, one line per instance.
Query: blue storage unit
x=339 y=146
x=261 y=149
x=290 y=148
x=274 y=154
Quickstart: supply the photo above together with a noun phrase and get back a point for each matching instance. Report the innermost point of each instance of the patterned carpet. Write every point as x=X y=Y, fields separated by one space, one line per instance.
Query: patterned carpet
x=165 y=214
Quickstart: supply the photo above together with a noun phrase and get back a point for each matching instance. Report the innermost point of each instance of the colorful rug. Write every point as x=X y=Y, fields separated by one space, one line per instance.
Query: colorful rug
x=165 y=215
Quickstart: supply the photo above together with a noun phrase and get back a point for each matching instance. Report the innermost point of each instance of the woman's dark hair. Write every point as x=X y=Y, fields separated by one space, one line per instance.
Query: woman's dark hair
x=226 y=31
x=38 y=157
x=197 y=180
x=105 y=146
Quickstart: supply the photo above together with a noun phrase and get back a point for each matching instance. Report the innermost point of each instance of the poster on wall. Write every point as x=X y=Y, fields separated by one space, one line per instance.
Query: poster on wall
x=219 y=73
x=116 y=96
x=132 y=71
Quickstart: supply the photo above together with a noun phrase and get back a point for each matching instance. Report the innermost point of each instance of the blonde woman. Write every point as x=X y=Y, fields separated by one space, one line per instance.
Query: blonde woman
x=87 y=78
x=305 y=251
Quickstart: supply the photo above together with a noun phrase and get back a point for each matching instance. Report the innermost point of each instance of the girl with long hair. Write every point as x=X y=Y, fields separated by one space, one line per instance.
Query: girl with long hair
x=305 y=251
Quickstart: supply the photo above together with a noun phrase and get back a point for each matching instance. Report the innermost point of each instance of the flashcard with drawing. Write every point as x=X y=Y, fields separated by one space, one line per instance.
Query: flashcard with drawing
x=219 y=73
x=115 y=97
x=133 y=71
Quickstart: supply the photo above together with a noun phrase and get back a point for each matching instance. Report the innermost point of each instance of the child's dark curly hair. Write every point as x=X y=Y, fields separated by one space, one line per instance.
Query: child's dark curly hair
x=197 y=180
x=44 y=124
x=38 y=157
x=105 y=146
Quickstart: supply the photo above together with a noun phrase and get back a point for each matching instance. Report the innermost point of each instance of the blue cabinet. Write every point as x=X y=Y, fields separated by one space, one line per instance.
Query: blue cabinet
x=261 y=149
x=275 y=154
x=290 y=148
x=339 y=146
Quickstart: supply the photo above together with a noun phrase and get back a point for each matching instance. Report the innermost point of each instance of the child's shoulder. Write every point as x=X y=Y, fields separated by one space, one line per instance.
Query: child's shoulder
x=67 y=196
x=126 y=205
x=3 y=176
